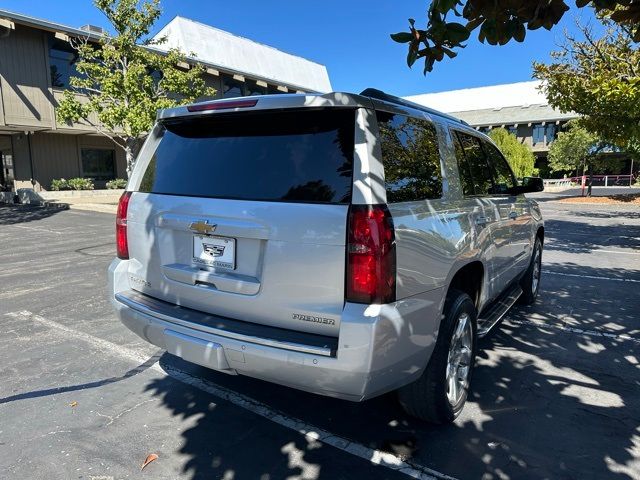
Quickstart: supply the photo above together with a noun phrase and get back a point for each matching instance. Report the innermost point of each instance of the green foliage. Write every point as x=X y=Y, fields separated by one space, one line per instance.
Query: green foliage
x=59 y=184
x=498 y=22
x=80 y=184
x=122 y=83
x=598 y=78
x=116 y=183
x=578 y=148
x=72 y=184
x=569 y=151
x=520 y=157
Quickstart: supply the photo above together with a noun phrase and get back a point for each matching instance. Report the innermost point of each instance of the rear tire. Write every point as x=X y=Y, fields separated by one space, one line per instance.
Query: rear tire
x=439 y=395
x=530 y=282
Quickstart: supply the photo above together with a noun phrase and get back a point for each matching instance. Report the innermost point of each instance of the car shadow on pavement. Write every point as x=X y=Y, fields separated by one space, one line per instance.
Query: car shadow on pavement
x=542 y=405
x=83 y=386
x=12 y=214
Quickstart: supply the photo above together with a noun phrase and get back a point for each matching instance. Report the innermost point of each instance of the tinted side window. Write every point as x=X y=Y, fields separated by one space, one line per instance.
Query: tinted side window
x=476 y=163
x=290 y=156
x=411 y=158
x=463 y=168
x=502 y=175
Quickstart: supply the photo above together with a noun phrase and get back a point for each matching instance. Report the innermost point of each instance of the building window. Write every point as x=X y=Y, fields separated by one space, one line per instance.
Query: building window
x=232 y=87
x=98 y=163
x=513 y=130
x=62 y=63
x=254 y=89
x=551 y=132
x=538 y=134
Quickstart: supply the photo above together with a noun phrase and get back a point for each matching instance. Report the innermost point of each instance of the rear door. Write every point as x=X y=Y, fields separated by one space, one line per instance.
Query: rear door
x=244 y=215
x=477 y=177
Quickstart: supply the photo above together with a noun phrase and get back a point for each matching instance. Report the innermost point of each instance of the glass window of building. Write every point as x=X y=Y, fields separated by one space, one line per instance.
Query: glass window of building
x=551 y=132
x=232 y=87
x=513 y=130
x=254 y=89
x=410 y=157
x=538 y=133
x=62 y=63
x=98 y=163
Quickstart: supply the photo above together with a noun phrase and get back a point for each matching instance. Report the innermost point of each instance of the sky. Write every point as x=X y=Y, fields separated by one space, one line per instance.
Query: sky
x=350 y=37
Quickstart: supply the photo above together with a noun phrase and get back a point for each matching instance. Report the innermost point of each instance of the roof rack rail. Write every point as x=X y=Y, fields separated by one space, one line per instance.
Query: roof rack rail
x=380 y=95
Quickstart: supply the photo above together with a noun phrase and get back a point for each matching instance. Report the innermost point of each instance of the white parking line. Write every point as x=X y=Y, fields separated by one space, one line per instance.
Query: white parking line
x=596 y=251
x=579 y=331
x=377 y=457
x=593 y=277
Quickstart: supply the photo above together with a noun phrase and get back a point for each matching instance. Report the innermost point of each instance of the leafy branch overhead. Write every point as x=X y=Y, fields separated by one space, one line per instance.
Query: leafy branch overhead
x=599 y=79
x=451 y=22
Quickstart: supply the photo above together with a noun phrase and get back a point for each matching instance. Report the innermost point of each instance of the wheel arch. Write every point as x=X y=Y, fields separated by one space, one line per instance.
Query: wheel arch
x=469 y=278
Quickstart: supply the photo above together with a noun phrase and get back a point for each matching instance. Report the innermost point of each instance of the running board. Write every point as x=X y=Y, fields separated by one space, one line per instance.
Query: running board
x=497 y=310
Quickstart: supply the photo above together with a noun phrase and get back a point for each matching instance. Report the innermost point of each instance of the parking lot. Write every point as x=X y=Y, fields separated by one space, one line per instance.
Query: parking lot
x=556 y=392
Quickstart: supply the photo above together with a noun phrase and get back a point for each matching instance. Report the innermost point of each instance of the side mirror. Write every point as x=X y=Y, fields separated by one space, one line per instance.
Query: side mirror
x=531 y=185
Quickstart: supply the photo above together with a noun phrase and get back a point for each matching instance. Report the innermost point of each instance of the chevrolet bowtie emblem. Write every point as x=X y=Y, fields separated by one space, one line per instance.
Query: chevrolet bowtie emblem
x=203 y=227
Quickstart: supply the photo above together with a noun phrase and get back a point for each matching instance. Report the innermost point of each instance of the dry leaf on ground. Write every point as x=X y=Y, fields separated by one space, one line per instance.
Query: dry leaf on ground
x=150 y=458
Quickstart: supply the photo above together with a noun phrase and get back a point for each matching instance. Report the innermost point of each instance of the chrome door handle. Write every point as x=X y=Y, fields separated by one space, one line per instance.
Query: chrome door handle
x=513 y=215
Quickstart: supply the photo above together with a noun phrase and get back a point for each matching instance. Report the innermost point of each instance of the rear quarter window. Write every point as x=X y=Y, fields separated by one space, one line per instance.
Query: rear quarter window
x=411 y=158
x=288 y=156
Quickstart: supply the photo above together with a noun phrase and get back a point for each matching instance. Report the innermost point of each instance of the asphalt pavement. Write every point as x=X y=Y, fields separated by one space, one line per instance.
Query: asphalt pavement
x=556 y=392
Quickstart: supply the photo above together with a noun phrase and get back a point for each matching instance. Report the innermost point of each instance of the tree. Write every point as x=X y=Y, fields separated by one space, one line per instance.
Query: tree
x=598 y=78
x=497 y=22
x=122 y=82
x=577 y=149
x=520 y=157
x=568 y=152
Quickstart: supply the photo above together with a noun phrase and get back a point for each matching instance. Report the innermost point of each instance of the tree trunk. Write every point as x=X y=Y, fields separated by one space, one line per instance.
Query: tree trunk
x=130 y=151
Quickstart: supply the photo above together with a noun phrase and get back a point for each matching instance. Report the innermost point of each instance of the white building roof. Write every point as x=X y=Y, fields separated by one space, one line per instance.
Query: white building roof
x=243 y=56
x=493 y=97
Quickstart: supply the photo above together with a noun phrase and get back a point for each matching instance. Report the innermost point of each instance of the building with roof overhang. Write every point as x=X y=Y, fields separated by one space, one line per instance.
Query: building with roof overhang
x=519 y=107
x=37 y=61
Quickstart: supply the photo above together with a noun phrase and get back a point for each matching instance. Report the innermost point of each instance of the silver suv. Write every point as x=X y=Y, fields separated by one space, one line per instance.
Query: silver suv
x=346 y=245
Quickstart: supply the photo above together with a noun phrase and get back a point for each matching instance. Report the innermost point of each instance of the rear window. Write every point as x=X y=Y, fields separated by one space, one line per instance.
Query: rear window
x=289 y=156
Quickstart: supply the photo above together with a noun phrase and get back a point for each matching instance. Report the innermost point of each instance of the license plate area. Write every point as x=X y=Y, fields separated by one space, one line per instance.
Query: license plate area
x=214 y=251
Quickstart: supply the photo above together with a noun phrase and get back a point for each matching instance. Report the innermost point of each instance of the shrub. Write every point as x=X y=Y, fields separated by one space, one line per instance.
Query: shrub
x=59 y=184
x=116 y=183
x=80 y=184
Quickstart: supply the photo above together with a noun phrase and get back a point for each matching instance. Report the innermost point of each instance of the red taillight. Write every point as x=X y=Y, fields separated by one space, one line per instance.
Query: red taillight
x=371 y=255
x=122 y=245
x=222 y=105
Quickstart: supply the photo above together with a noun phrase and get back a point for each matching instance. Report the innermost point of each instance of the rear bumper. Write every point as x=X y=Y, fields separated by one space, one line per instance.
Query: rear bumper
x=380 y=348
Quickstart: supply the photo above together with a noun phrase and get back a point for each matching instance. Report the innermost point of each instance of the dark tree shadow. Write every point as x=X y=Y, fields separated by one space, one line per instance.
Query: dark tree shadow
x=13 y=214
x=541 y=406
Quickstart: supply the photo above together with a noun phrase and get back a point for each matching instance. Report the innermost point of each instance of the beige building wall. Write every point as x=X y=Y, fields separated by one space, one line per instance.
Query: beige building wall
x=24 y=79
x=58 y=155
